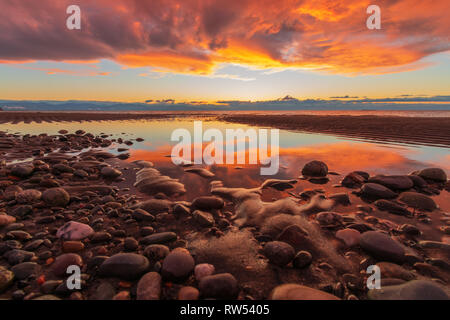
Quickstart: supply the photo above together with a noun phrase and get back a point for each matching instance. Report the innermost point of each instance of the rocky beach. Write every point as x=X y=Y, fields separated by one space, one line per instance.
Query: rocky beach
x=141 y=232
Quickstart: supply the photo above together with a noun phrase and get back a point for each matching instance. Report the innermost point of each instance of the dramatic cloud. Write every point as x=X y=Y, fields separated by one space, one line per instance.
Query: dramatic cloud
x=196 y=37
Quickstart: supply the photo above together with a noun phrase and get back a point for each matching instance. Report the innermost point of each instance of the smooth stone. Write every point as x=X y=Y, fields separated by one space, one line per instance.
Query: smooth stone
x=302 y=259
x=178 y=265
x=6 y=220
x=350 y=237
x=353 y=180
x=62 y=262
x=156 y=252
x=72 y=246
x=141 y=214
x=377 y=191
x=28 y=196
x=293 y=235
x=124 y=265
x=47 y=297
x=329 y=218
x=291 y=291
x=391 y=207
x=411 y=290
x=6 y=278
x=159 y=238
x=105 y=291
x=435 y=174
x=427 y=244
x=392 y=270
x=393 y=182
x=279 y=253
x=130 y=244
x=219 y=286
x=22 y=170
x=110 y=173
x=208 y=203
x=340 y=198
x=315 y=169
x=203 y=218
x=203 y=270
x=149 y=287
x=56 y=197
x=17 y=256
x=418 y=201
x=188 y=293
x=73 y=230
x=25 y=269
x=382 y=246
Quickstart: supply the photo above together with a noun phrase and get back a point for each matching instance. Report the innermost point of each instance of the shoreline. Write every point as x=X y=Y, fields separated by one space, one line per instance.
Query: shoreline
x=428 y=131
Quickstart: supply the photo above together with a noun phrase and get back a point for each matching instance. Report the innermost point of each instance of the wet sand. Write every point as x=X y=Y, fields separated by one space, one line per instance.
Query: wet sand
x=422 y=131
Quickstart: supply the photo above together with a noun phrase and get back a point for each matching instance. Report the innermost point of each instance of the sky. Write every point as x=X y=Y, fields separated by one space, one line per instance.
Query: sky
x=205 y=50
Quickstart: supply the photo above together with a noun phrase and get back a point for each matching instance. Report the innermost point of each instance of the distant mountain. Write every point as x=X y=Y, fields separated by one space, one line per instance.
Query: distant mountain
x=285 y=103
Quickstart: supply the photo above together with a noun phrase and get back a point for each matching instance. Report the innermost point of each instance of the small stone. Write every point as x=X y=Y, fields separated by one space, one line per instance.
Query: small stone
x=203 y=270
x=156 y=252
x=279 y=253
x=159 y=238
x=6 y=278
x=391 y=207
x=105 y=291
x=302 y=259
x=122 y=295
x=293 y=235
x=22 y=170
x=376 y=191
x=382 y=246
x=349 y=236
x=110 y=173
x=127 y=266
x=317 y=169
x=208 y=203
x=56 y=197
x=178 y=265
x=25 y=269
x=291 y=291
x=142 y=215
x=73 y=230
x=418 y=201
x=393 y=182
x=28 y=196
x=6 y=220
x=219 y=286
x=188 y=293
x=149 y=287
x=204 y=219
x=411 y=290
x=65 y=260
x=434 y=174
x=130 y=244
x=72 y=246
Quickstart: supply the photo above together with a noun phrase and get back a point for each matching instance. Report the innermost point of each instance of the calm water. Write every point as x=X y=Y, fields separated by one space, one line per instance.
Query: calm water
x=341 y=155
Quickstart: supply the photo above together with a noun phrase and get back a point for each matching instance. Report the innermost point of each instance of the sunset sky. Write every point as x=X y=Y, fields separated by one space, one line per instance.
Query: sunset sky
x=190 y=50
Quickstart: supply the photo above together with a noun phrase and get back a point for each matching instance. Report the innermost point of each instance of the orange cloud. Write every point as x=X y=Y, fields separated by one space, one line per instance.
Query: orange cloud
x=197 y=36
